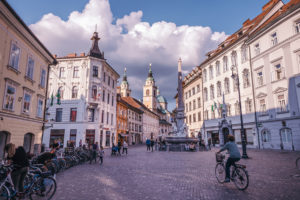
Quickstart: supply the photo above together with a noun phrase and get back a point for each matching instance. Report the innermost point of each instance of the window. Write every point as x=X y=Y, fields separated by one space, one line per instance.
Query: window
x=186 y=95
x=212 y=92
x=256 y=49
x=190 y=93
x=211 y=72
x=103 y=97
x=26 y=102
x=199 y=116
x=219 y=89
x=107 y=117
x=235 y=84
x=213 y=114
x=248 y=106
x=76 y=72
x=39 y=112
x=228 y=109
x=205 y=94
x=190 y=119
x=297 y=26
x=30 y=66
x=147 y=92
x=193 y=91
x=281 y=103
x=194 y=104
x=204 y=75
x=94 y=92
x=199 y=102
x=61 y=72
x=206 y=115
x=260 y=78
x=274 y=39
x=108 y=97
x=190 y=106
x=14 y=56
x=194 y=117
x=266 y=136
x=278 y=73
x=9 y=100
x=218 y=68
x=43 y=78
x=186 y=107
x=74 y=92
x=73 y=133
x=286 y=135
x=234 y=58
x=226 y=86
x=95 y=71
x=73 y=114
x=237 y=108
x=244 y=53
x=113 y=84
x=102 y=117
x=198 y=88
x=225 y=64
x=104 y=77
x=112 y=100
x=112 y=119
x=109 y=80
x=60 y=92
x=58 y=116
x=246 y=80
x=262 y=106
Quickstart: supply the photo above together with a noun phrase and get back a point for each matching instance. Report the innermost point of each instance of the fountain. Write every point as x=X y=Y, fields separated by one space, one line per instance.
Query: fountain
x=177 y=140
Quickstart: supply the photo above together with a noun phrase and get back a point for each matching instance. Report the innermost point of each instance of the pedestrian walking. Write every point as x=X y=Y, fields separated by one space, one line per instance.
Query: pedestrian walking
x=152 y=144
x=93 y=150
x=101 y=155
x=125 y=147
x=119 y=147
x=209 y=143
x=148 y=143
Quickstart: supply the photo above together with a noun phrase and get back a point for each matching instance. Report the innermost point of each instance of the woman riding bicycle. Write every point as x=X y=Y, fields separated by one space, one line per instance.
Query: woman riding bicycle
x=234 y=155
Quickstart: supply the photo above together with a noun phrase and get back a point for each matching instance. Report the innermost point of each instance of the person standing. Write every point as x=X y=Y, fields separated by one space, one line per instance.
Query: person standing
x=125 y=147
x=152 y=144
x=119 y=147
x=148 y=142
x=101 y=155
x=94 y=153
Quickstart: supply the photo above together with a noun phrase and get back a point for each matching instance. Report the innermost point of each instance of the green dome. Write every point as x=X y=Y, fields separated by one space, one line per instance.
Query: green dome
x=161 y=99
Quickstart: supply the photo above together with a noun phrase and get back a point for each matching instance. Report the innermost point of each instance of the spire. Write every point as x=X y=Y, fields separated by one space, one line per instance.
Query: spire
x=95 y=51
x=125 y=75
x=150 y=71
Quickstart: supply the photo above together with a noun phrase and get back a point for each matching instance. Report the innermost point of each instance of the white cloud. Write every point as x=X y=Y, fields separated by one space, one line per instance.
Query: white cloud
x=129 y=42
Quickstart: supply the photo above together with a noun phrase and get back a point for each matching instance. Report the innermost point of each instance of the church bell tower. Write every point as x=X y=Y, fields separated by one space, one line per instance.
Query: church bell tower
x=150 y=91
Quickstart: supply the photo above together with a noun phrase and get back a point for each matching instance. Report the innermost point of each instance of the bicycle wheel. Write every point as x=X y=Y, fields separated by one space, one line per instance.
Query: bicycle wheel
x=298 y=163
x=240 y=178
x=220 y=172
x=4 y=193
x=44 y=188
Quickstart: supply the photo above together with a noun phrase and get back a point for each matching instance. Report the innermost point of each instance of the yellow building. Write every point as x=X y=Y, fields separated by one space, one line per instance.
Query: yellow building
x=24 y=66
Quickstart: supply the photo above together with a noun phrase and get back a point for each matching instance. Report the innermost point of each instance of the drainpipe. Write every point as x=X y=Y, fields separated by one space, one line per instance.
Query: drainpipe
x=203 y=124
x=254 y=100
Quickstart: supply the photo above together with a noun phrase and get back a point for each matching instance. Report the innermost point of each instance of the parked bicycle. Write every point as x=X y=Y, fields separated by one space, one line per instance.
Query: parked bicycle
x=238 y=173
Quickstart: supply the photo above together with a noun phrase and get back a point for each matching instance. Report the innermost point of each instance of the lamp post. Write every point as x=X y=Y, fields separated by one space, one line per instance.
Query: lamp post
x=235 y=76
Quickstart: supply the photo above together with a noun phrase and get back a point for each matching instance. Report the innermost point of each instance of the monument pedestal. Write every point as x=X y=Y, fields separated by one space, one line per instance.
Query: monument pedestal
x=177 y=143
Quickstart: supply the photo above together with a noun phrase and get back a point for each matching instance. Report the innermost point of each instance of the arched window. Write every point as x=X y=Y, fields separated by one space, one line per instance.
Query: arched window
x=28 y=141
x=204 y=75
x=246 y=80
x=244 y=53
x=234 y=58
x=225 y=64
x=219 y=89
x=205 y=95
x=226 y=86
x=211 y=72
x=266 y=136
x=61 y=92
x=74 y=92
x=218 y=68
x=94 y=92
x=147 y=92
x=212 y=92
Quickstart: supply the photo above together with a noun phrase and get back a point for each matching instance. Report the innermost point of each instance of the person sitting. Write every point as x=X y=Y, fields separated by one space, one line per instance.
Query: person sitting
x=192 y=147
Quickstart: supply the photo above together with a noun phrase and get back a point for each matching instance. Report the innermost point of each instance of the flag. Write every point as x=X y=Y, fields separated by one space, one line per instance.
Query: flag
x=58 y=98
x=52 y=98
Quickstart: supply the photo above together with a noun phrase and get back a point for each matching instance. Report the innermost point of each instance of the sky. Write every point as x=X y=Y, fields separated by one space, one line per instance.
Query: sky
x=135 y=33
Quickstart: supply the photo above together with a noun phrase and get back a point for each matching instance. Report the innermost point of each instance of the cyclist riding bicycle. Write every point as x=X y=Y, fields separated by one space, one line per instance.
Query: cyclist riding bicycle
x=234 y=155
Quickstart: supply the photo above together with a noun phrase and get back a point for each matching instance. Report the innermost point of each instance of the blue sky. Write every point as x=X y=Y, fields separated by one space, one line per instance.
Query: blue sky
x=135 y=33
x=220 y=15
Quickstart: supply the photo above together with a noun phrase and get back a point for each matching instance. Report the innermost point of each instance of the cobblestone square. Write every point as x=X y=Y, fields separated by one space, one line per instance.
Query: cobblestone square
x=179 y=176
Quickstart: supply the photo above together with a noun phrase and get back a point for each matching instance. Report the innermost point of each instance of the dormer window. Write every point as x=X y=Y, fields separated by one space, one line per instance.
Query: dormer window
x=274 y=39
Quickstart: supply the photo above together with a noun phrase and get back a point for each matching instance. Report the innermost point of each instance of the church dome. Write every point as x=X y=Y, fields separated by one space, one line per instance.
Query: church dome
x=161 y=99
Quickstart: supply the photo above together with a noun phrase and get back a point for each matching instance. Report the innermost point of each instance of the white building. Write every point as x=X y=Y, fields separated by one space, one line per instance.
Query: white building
x=82 y=103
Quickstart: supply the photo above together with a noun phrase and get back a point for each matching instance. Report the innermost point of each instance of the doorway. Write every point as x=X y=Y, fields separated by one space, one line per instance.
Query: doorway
x=4 y=139
x=28 y=141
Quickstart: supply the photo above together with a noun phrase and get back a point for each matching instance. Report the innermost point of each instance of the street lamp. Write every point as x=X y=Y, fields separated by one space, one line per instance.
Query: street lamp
x=235 y=76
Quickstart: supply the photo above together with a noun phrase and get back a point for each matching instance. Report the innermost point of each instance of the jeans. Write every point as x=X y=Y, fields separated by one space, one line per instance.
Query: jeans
x=148 y=147
x=124 y=149
x=18 y=177
x=101 y=160
x=230 y=161
x=93 y=157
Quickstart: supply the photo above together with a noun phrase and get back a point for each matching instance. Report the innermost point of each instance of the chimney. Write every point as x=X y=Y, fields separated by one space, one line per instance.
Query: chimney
x=72 y=55
x=82 y=54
